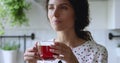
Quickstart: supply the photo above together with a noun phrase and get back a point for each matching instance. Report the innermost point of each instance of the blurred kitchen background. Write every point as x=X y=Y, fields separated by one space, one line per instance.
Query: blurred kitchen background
x=104 y=17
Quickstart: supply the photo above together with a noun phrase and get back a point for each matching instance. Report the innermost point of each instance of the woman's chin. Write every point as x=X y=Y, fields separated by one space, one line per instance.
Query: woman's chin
x=58 y=29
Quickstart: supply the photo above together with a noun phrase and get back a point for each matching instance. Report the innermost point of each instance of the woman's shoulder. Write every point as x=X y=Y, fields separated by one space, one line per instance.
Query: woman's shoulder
x=99 y=50
x=95 y=46
x=91 y=46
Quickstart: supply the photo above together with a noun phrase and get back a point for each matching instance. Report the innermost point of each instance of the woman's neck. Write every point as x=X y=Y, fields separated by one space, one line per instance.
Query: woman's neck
x=69 y=38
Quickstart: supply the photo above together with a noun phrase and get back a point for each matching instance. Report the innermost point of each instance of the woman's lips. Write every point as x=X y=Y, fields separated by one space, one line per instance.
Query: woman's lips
x=57 y=22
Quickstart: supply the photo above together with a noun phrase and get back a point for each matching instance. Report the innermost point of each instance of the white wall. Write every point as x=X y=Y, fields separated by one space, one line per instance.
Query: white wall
x=99 y=29
x=98 y=20
x=40 y=26
x=98 y=14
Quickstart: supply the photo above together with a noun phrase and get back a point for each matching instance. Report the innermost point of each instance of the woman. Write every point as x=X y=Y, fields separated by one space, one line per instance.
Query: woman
x=69 y=19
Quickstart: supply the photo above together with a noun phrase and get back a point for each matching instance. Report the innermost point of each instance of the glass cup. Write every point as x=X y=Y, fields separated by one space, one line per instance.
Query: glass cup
x=44 y=50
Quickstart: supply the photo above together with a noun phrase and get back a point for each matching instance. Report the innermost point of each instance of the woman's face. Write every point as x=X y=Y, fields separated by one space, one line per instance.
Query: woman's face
x=61 y=15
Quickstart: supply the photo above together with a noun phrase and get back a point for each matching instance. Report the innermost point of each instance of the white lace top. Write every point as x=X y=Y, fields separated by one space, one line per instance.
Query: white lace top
x=89 y=52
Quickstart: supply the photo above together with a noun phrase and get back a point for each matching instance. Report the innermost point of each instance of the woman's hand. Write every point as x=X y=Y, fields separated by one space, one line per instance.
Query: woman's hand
x=64 y=52
x=31 y=55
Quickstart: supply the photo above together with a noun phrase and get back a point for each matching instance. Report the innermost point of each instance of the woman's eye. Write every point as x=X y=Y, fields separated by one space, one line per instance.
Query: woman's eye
x=49 y=7
x=64 y=7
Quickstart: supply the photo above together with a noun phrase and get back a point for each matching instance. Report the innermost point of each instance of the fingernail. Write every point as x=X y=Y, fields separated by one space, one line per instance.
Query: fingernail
x=56 y=43
x=35 y=53
x=54 y=56
x=52 y=46
x=34 y=48
x=61 y=55
x=51 y=50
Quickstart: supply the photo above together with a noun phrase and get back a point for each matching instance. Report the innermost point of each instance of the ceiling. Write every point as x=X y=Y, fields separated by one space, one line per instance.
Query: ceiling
x=97 y=0
x=43 y=1
x=40 y=1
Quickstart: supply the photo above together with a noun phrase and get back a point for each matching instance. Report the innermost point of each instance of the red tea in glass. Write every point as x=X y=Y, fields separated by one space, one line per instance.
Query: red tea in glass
x=44 y=50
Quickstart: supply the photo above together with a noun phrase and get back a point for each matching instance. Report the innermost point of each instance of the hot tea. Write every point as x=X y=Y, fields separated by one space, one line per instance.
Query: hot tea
x=44 y=50
x=45 y=53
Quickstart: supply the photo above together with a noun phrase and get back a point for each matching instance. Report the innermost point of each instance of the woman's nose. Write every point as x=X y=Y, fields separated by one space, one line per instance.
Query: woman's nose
x=56 y=13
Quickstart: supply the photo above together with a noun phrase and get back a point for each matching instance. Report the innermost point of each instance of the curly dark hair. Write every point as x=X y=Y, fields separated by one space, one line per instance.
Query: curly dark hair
x=81 y=10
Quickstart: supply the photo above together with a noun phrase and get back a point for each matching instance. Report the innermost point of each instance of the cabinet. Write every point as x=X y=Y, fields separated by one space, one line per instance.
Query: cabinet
x=114 y=14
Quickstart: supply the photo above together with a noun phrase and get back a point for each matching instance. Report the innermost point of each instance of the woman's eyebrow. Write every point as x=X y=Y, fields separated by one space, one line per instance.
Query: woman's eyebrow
x=61 y=4
x=66 y=4
x=50 y=4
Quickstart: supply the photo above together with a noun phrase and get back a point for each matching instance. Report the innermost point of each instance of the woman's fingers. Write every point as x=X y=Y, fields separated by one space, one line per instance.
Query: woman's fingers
x=29 y=58
x=59 y=48
x=31 y=54
x=34 y=49
x=59 y=57
x=64 y=52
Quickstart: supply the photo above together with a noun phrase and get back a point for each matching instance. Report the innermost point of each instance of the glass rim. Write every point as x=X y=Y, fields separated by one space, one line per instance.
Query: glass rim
x=45 y=43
